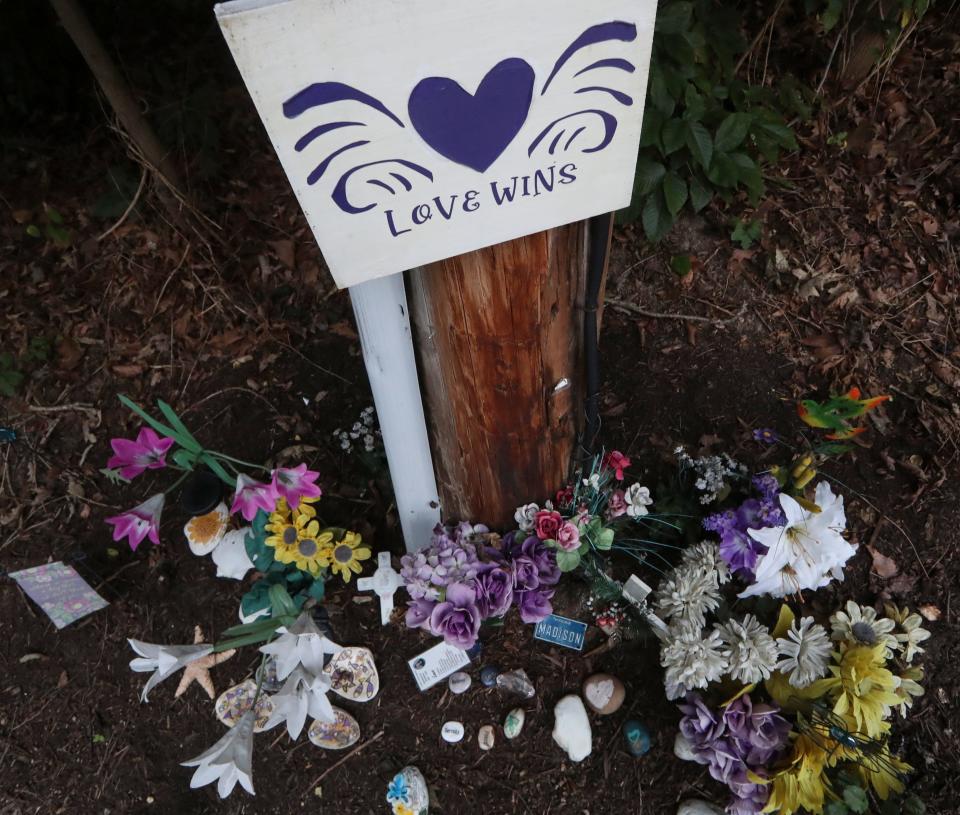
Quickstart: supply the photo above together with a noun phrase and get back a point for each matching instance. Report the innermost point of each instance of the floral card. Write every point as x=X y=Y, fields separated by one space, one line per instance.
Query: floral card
x=60 y=592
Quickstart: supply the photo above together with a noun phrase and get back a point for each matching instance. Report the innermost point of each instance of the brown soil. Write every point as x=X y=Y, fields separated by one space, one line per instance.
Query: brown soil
x=240 y=328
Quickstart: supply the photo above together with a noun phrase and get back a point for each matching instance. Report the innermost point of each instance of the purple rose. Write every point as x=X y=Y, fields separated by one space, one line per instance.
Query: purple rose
x=544 y=557
x=748 y=798
x=494 y=588
x=535 y=605
x=457 y=618
x=526 y=575
x=724 y=760
x=700 y=725
x=757 y=731
x=418 y=614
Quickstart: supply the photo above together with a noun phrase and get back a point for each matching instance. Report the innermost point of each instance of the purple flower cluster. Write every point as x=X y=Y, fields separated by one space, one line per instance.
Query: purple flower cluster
x=743 y=737
x=737 y=548
x=455 y=583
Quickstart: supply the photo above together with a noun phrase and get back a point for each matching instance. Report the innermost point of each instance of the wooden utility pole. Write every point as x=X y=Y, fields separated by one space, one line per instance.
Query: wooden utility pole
x=500 y=339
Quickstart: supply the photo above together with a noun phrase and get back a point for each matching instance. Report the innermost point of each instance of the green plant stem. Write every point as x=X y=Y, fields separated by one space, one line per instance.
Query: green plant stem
x=178 y=482
x=224 y=457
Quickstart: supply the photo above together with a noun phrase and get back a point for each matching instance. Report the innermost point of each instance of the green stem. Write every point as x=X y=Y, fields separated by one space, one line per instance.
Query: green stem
x=225 y=457
x=178 y=482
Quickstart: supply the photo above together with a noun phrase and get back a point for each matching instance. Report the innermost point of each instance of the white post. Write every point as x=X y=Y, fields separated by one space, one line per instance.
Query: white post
x=383 y=321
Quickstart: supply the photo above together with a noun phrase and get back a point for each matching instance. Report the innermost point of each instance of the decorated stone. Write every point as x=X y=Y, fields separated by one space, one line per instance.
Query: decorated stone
x=353 y=674
x=235 y=701
x=682 y=748
x=572 y=728
x=336 y=735
x=488 y=675
x=513 y=724
x=204 y=532
x=637 y=737
x=603 y=693
x=697 y=806
x=452 y=732
x=487 y=737
x=407 y=792
x=459 y=682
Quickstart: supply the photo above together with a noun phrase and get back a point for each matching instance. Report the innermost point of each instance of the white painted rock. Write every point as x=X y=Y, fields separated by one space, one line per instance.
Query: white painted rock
x=459 y=682
x=487 y=737
x=353 y=674
x=452 y=732
x=409 y=788
x=572 y=728
x=682 y=748
x=697 y=806
x=235 y=701
x=513 y=724
x=339 y=734
x=603 y=693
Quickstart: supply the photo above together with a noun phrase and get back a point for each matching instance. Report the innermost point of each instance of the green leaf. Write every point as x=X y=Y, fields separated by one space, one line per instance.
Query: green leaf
x=856 y=799
x=673 y=135
x=34 y=231
x=655 y=217
x=780 y=133
x=681 y=265
x=53 y=216
x=701 y=145
x=650 y=133
x=835 y=808
x=674 y=192
x=746 y=232
x=673 y=18
x=912 y=805
x=732 y=131
x=748 y=174
x=831 y=14
x=257 y=550
x=659 y=93
x=218 y=470
x=649 y=175
x=723 y=171
x=184 y=458
x=160 y=427
x=259 y=625
x=317 y=589
x=604 y=541
x=113 y=476
x=10 y=381
x=280 y=601
x=185 y=438
x=693 y=101
x=700 y=195
x=567 y=561
x=249 y=639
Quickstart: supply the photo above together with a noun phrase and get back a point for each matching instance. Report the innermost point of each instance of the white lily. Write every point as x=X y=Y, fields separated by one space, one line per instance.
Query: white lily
x=301 y=644
x=163 y=660
x=301 y=694
x=229 y=760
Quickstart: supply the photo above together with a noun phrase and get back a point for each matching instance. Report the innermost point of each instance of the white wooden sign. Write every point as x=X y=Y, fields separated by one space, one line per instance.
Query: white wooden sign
x=414 y=130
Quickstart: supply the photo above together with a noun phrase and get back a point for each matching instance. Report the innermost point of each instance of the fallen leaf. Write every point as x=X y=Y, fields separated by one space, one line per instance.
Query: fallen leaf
x=63 y=680
x=285 y=252
x=69 y=354
x=127 y=371
x=883 y=566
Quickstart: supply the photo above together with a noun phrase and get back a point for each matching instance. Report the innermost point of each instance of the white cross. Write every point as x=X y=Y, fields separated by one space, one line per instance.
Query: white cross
x=384 y=583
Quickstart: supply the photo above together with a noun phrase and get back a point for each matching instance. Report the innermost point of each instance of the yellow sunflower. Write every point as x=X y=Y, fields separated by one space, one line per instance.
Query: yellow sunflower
x=296 y=537
x=347 y=555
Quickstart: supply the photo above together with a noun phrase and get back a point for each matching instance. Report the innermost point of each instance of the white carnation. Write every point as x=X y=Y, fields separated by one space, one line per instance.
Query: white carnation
x=691 y=659
x=805 y=652
x=750 y=651
x=687 y=594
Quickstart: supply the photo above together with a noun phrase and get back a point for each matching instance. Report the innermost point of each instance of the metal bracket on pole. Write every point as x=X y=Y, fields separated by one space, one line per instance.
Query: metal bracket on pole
x=383 y=322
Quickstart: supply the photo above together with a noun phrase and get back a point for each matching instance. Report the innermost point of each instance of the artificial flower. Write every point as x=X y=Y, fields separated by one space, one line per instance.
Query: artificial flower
x=416 y=573
x=347 y=554
x=204 y=532
x=766 y=435
x=229 y=760
x=302 y=694
x=526 y=517
x=163 y=660
x=807 y=552
x=749 y=796
x=148 y=452
x=616 y=461
x=402 y=809
x=909 y=687
x=564 y=497
x=534 y=563
x=638 y=499
x=592 y=481
x=886 y=773
x=300 y=644
x=535 y=605
x=296 y=483
x=547 y=524
x=700 y=724
x=456 y=618
x=143 y=521
x=252 y=496
x=805 y=652
x=859 y=625
x=494 y=588
x=691 y=660
x=909 y=631
x=865 y=688
x=418 y=613
x=687 y=593
x=616 y=505
x=757 y=730
x=568 y=537
x=706 y=557
x=802 y=784
x=231 y=556
x=750 y=651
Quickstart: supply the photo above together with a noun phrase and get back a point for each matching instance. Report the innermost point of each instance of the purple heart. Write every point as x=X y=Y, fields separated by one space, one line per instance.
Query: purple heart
x=473 y=129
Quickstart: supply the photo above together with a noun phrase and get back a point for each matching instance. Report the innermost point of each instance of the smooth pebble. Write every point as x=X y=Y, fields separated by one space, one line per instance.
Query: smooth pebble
x=487 y=737
x=513 y=724
x=459 y=682
x=604 y=694
x=452 y=732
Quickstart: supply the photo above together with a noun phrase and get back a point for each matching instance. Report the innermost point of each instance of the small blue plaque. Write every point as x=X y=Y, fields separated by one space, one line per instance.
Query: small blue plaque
x=561 y=631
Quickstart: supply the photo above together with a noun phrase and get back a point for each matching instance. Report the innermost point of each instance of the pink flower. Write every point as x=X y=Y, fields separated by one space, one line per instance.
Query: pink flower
x=140 y=522
x=547 y=523
x=616 y=461
x=294 y=483
x=252 y=496
x=148 y=452
x=616 y=504
x=568 y=537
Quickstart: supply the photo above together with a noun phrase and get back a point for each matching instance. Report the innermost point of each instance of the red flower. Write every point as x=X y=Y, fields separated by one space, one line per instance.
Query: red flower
x=547 y=523
x=616 y=461
x=565 y=496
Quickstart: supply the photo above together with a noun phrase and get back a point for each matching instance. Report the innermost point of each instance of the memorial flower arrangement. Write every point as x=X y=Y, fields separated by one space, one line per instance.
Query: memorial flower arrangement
x=269 y=526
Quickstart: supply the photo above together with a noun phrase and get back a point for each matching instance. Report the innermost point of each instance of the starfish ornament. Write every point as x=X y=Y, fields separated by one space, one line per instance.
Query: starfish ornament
x=199 y=670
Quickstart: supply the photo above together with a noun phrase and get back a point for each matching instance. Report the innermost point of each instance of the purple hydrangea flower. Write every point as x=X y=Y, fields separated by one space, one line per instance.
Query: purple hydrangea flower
x=457 y=618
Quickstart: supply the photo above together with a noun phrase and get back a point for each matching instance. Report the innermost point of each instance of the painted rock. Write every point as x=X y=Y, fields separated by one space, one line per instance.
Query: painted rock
x=353 y=674
x=637 y=737
x=475 y=650
x=408 y=792
x=682 y=748
x=516 y=682
x=235 y=701
x=459 y=682
x=231 y=555
x=603 y=693
x=697 y=806
x=204 y=532
x=452 y=732
x=339 y=734
x=488 y=676
x=513 y=724
x=487 y=737
x=571 y=730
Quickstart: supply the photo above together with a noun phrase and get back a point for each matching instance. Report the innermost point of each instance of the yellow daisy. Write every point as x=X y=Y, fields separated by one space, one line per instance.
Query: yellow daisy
x=865 y=688
x=801 y=785
x=347 y=555
x=296 y=537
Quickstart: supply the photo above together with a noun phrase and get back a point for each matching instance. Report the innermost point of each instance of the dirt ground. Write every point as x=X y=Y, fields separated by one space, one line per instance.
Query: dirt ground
x=236 y=323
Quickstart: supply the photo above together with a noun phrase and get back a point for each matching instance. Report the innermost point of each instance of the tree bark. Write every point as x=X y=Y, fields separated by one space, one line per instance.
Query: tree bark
x=500 y=338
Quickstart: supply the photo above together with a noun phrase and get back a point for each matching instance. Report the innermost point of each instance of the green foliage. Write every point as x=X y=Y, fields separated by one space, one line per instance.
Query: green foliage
x=10 y=376
x=13 y=369
x=51 y=228
x=746 y=233
x=704 y=130
x=681 y=265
